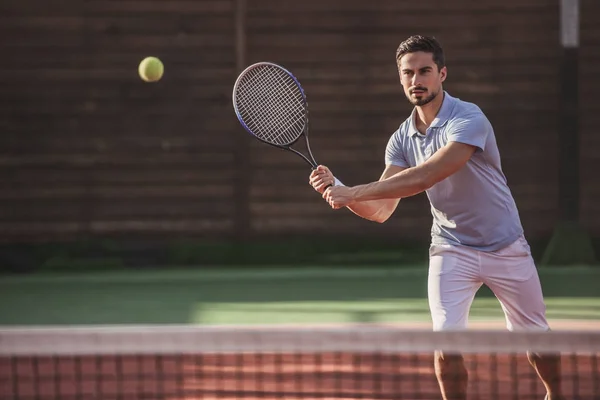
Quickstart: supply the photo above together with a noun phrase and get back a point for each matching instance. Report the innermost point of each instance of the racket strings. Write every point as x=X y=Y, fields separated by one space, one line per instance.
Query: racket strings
x=296 y=111
x=278 y=114
x=277 y=98
x=275 y=112
x=271 y=105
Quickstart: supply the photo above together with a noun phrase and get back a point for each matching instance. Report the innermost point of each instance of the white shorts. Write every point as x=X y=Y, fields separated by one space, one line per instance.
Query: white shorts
x=457 y=272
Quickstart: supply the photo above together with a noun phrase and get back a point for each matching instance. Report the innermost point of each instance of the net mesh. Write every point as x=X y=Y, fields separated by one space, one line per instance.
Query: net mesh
x=182 y=362
x=271 y=104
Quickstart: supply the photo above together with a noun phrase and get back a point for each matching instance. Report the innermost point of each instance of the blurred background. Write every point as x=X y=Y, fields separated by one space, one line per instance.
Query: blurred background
x=111 y=179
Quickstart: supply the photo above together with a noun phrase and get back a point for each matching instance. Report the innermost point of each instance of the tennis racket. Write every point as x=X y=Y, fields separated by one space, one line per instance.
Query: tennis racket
x=271 y=105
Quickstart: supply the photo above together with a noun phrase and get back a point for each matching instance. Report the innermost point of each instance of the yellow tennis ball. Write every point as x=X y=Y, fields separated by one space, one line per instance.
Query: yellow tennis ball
x=151 y=69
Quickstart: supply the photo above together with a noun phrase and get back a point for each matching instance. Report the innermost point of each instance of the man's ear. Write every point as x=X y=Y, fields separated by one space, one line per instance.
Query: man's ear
x=443 y=74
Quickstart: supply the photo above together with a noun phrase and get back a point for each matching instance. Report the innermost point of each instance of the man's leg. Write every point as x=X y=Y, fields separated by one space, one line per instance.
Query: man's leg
x=511 y=274
x=452 y=375
x=452 y=284
x=547 y=367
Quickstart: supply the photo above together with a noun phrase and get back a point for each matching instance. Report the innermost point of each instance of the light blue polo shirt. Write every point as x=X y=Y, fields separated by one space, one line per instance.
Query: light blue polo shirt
x=474 y=206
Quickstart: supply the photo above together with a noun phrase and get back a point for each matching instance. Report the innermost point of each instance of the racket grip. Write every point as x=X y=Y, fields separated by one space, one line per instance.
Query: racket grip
x=336 y=182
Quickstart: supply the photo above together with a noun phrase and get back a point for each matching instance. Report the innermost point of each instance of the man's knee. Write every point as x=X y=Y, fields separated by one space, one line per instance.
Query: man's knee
x=547 y=361
x=548 y=368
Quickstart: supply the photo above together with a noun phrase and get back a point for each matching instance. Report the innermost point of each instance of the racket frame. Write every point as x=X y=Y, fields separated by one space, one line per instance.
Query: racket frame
x=311 y=161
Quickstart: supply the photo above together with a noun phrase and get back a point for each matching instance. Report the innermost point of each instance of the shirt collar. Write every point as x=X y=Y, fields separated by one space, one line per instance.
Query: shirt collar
x=440 y=119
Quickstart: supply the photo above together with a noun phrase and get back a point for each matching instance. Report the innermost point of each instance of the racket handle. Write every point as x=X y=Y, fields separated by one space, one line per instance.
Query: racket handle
x=337 y=182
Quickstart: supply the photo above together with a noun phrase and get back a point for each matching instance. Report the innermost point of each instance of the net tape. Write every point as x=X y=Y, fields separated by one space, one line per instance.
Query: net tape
x=235 y=339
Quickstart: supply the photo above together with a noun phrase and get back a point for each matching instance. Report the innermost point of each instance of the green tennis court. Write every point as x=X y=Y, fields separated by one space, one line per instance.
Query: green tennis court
x=318 y=295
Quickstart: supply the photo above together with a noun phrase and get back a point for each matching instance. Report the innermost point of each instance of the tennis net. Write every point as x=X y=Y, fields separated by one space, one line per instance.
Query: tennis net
x=361 y=362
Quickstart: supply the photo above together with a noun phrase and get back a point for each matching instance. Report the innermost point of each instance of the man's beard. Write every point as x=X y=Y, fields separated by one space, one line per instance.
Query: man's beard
x=421 y=101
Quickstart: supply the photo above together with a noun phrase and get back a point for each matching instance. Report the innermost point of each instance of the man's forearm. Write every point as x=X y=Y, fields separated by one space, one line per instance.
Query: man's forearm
x=373 y=210
x=407 y=183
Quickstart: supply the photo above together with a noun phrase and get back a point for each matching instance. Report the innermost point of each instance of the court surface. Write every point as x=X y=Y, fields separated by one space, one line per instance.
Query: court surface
x=316 y=295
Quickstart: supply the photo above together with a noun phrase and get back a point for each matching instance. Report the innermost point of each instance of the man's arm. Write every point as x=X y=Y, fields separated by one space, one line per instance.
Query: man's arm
x=378 y=210
x=375 y=210
x=408 y=182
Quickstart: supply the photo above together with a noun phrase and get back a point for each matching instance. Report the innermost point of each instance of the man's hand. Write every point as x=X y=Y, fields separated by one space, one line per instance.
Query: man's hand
x=320 y=178
x=339 y=196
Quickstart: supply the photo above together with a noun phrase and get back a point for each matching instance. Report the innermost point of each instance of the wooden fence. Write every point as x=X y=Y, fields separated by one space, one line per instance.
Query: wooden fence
x=87 y=149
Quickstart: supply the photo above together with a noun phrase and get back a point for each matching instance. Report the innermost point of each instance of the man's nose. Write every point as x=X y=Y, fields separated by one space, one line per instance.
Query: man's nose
x=416 y=80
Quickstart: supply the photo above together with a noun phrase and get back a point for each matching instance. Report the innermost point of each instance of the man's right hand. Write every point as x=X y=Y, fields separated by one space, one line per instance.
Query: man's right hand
x=321 y=178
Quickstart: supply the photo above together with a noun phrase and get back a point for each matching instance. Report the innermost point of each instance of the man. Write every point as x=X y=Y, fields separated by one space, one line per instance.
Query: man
x=447 y=148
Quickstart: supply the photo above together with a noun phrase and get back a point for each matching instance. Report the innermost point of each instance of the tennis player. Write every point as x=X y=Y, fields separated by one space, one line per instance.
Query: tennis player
x=447 y=149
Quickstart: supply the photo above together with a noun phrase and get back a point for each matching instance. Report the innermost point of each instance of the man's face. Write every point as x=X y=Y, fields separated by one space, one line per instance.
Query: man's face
x=420 y=77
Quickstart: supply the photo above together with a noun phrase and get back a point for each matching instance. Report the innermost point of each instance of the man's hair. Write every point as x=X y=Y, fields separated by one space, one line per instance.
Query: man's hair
x=427 y=44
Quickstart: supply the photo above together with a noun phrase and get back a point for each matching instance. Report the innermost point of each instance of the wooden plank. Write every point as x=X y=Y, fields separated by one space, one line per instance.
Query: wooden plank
x=76 y=209
x=200 y=145
x=328 y=40
x=88 y=190
x=55 y=230
x=185 y=98
x=195 y=129
x=150 y=41
x=196 y=90
x=111 y=24
x=21 y=8
x=29 y=40
x=159 y=6
x=591 y=191
x=17 y=231
x=374 y=20
x=46 y=23
x=117 y=159
x=177 y=24
x=67 y=7
x=113 y=177
x=279 y=159
x=146 y=104
x=106 y=108
x=386 y=6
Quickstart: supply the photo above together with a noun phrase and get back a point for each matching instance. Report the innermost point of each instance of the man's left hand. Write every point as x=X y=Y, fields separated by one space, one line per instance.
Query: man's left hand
x=339 y=196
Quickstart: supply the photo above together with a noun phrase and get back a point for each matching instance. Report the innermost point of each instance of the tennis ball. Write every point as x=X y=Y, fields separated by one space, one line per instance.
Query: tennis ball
x=151 y=69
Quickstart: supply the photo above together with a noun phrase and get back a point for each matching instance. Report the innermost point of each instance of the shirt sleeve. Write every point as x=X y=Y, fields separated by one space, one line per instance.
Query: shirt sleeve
x=473 y=130
x=394 y=152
